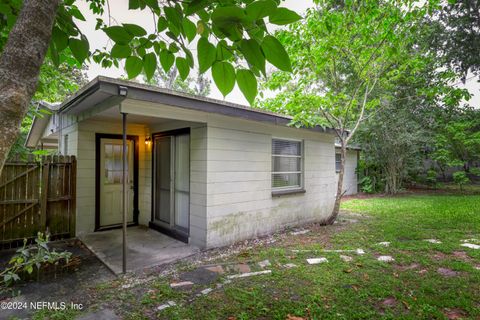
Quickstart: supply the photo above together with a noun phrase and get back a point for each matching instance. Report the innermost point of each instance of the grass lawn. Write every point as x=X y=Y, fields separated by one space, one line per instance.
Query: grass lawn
x=411 y=287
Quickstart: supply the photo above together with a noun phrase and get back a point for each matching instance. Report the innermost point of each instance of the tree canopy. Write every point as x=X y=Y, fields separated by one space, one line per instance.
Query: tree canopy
x=232 y=38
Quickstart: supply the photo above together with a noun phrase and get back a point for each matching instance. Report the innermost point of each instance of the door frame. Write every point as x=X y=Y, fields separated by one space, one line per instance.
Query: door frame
x=170 y=232
x=136 y=212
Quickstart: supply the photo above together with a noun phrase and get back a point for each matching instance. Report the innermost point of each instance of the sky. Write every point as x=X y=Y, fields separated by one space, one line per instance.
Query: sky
x=119 y=11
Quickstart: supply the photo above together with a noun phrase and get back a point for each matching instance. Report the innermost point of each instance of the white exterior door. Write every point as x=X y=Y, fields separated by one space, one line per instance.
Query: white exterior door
x=111 y=181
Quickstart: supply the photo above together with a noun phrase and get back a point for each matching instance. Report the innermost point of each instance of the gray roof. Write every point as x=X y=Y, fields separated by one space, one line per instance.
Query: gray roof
x=106 y=90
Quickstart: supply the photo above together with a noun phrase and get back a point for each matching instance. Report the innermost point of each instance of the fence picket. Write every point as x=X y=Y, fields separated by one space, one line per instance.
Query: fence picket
x=37 y=195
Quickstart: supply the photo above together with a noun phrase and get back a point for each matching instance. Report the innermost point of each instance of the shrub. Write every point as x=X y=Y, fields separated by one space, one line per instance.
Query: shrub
x=431 y=178
x=460 y=178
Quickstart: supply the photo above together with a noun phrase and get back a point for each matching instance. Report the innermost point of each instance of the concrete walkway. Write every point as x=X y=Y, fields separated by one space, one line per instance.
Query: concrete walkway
x=145 y=248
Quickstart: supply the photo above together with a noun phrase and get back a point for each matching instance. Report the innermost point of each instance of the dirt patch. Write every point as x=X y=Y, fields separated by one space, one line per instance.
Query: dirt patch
x=389 y=302
x=455 y=314
x=461 y=255
x=439 y=256
x=448 y=272
x=412 y=266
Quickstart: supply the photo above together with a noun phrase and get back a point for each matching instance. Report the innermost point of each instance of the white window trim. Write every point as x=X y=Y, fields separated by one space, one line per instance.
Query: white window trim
x=301 y=172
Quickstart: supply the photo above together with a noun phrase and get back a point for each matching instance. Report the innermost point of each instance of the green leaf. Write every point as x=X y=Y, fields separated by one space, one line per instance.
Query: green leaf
x=149 y=64
x=196 y=5
x=223 y=52
x=248 y=84
x=253 y=54
x=162 y=24
x=118 y=34
x=120 y=51
x=166 y=60
x=134 y=66
x=223 y=74
x=190 y=29
x=134 y=30
x=152 y=3
x=60 y=39
x=133 y=4
x=226 y=16
x=276 y=53
x=206 y=54
x=183 y=68
x=229 y=22
x=174 y=18
x=79 y=48
x=260 y=9
x=283 y=16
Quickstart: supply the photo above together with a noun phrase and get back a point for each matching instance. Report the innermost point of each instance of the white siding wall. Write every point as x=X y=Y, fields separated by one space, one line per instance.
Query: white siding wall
x=240 y=204
x=350 y=182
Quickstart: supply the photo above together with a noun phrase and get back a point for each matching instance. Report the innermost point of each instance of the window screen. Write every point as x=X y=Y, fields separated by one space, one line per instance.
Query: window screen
x=338 y=161
x=287 y=164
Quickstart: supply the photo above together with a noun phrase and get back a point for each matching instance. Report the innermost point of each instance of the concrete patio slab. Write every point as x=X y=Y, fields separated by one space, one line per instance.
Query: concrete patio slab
x=145 y=248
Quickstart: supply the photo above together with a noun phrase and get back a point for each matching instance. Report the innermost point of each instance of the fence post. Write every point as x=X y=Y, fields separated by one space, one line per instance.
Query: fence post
x=73 y=195
x=44 y=193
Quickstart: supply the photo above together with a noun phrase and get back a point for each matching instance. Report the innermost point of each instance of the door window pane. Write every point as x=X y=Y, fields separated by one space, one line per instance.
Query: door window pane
x=113 y=163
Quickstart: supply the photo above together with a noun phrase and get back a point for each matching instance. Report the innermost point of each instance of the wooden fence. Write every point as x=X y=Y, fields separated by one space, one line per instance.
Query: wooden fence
x=37 y=196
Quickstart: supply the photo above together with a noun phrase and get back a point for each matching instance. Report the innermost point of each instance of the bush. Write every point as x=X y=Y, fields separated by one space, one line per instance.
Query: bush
x=431 y=178
x=460 y=178
x=366 y=185
x=27 y=258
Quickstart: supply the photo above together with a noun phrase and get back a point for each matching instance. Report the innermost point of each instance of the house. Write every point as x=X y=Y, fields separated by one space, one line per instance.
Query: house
x=205 y=171
x=350 y=176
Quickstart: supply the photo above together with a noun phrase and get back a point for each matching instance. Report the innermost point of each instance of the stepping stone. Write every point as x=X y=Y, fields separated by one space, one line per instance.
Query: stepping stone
x=389 y=302
x=206 y=291
x=471 y=240
x=242 y=268
x=470 y=245
x=385 y=258
x=317 y=260
x=346 y=258
x=290 y=265
x=216 y=269
x=435 y=241
x=264 y=263
x=249 y=274
x=181 y=284
x=166 y=305
x=296 y=233
x=447 y=272
x=384 y=244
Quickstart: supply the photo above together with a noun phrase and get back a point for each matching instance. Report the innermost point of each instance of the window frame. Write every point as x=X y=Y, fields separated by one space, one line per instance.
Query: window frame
x=337 y=170
x=288 y=189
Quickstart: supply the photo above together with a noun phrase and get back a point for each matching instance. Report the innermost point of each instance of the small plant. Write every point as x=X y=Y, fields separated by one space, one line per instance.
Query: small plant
x=29 y=257
x=431 y=178
x=460 y=178
x=366 y=184
x=475 y=171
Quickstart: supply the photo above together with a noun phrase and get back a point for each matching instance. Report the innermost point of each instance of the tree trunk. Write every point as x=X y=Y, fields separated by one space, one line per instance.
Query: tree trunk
x=20 y=63
x=338 y=197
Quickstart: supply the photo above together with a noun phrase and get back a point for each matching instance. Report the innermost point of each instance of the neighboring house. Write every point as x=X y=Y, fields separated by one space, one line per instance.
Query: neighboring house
x=350 y=176
x=205 y=171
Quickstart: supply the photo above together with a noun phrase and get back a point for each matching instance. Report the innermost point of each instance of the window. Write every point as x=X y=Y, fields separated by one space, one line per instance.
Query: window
x=114 y=163
x=338 y=162
x=287 y=164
